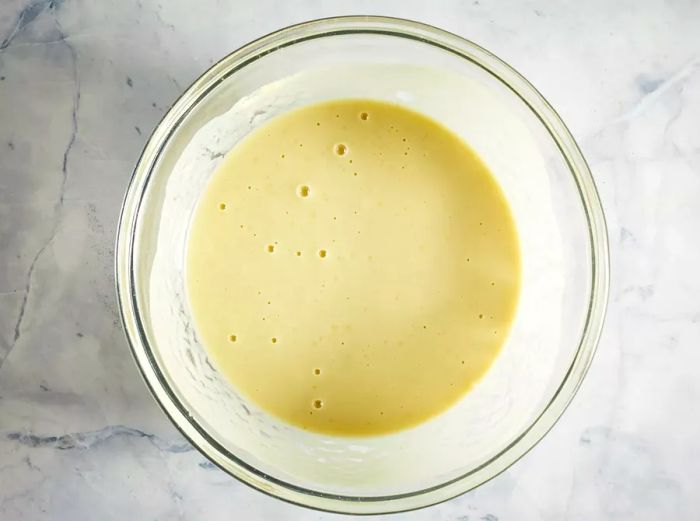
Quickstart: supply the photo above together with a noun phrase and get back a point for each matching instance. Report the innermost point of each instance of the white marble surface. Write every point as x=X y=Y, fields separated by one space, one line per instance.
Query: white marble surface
x=81 y=86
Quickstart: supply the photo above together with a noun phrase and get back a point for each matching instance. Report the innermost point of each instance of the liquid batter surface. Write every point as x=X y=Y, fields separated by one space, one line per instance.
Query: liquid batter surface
x=353 y=268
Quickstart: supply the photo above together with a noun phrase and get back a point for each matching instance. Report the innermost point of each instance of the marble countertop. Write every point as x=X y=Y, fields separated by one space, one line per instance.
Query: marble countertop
x=81 y=86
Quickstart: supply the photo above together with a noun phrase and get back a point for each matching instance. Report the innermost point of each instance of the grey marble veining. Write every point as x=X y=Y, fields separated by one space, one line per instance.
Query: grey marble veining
x=82 y=84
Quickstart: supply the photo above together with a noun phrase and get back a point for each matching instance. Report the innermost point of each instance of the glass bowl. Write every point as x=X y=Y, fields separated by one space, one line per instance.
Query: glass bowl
x=537 y=164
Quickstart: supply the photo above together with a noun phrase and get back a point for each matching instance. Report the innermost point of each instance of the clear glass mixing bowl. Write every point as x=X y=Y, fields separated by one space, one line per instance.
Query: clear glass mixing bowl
x=559 y=220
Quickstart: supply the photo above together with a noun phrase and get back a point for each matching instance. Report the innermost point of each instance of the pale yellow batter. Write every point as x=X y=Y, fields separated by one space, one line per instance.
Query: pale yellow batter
x=353 y=268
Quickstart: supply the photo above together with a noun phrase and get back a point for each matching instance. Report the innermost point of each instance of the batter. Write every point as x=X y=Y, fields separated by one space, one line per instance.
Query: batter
x=353 y=268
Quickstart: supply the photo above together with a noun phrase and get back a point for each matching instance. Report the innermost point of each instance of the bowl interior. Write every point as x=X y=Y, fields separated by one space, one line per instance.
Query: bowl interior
x=468 y=93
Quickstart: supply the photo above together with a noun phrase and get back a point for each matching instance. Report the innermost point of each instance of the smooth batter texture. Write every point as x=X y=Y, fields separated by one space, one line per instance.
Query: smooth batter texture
x=353 y=267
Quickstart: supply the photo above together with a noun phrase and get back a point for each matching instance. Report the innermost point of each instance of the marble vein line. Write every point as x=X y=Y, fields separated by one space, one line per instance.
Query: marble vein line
x=25 y=17
x=74 y=113
x=64 y=164
x=654 y=95
x=91 y=439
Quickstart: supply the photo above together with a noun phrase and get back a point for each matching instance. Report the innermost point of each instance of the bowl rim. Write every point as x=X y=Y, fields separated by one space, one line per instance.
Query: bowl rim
x=127 y=291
